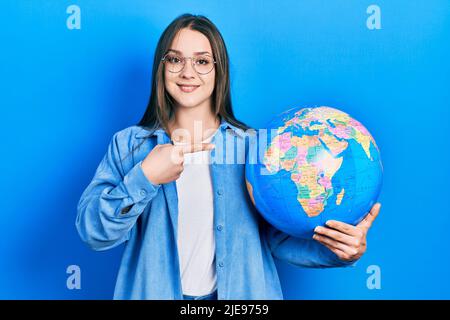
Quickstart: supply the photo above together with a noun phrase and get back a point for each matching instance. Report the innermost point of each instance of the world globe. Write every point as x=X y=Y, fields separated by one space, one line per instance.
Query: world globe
x=317 y=164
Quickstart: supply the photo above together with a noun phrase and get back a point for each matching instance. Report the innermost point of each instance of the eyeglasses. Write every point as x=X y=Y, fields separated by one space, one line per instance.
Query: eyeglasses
x=201 y=64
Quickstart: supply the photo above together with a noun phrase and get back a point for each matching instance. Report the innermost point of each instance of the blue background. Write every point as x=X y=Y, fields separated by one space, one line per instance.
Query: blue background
x=65 y=92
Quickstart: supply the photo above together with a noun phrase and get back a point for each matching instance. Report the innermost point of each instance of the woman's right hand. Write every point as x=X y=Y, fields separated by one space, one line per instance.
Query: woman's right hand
x=165 y=162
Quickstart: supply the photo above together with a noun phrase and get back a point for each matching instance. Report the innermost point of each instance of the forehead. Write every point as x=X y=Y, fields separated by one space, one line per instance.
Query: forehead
x=190 y=41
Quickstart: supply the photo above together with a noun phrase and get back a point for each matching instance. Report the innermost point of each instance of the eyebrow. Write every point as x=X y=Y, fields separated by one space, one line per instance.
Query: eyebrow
x=195 y=53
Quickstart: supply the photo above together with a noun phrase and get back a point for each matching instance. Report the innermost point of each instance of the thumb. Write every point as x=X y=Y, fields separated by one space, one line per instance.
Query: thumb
x=371 y=216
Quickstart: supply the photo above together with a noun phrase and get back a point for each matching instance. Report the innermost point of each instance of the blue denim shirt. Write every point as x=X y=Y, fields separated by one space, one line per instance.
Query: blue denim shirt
x=120 y=205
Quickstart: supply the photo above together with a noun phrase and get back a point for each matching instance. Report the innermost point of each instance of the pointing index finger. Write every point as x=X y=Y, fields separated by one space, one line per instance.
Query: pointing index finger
x=195 y=147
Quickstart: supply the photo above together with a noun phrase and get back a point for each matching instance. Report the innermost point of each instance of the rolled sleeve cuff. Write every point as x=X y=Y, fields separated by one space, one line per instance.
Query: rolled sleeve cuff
x=138 y=186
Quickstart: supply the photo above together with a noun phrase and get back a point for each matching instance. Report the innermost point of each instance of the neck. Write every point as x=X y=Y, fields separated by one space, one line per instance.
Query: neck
x=193 y=125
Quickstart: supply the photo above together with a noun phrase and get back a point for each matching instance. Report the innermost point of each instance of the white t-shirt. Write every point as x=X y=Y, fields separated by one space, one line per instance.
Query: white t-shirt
x=196 y=244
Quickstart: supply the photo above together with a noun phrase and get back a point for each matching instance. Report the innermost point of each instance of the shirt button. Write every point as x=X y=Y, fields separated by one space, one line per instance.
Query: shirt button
x=221 y=264
x=219 y=192
x=219 y=227
x=143 y=192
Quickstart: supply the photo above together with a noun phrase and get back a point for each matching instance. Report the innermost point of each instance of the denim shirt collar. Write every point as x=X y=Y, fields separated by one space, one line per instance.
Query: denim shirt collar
x=162 y=135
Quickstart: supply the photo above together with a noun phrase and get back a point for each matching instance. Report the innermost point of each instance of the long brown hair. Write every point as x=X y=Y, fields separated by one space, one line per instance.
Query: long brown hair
x=160 y=108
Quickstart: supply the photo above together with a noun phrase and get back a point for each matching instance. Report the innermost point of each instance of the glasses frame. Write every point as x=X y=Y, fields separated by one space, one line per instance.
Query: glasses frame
x=184 y=63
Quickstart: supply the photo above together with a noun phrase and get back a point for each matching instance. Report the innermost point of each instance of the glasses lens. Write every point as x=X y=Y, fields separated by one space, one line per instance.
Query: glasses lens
x=174 y=63
x=203 y=64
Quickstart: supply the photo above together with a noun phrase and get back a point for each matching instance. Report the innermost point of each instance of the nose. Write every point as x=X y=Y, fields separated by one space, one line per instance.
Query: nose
x=188 y=71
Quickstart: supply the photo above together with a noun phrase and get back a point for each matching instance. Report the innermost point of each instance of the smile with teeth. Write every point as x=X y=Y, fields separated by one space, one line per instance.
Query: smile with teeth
x=187 y=88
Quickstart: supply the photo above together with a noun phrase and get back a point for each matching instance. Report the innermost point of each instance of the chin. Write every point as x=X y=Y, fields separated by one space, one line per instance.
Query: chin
x=185 y=103
x=190 y=100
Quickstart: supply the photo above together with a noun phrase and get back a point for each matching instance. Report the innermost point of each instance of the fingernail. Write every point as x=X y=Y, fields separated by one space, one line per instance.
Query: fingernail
x=317 y=229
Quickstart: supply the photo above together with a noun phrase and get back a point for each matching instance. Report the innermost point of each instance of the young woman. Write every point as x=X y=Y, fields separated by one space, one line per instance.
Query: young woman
x=189 y=227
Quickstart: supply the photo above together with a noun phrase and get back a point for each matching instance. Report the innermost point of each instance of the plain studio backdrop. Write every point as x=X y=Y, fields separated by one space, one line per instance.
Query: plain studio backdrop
x=75 y=72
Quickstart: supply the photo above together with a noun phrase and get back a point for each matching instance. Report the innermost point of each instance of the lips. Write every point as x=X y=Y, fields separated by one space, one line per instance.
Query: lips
x=187 y=87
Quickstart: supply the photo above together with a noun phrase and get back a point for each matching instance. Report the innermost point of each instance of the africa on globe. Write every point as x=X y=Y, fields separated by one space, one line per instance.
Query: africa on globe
x=318 y=164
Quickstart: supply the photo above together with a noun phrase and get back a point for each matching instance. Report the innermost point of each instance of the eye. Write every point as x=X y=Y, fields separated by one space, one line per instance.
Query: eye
x=203 y=61
x=173 y=59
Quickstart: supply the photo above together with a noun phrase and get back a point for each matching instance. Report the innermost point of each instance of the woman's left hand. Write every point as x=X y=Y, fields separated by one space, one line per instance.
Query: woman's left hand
x=348 y=242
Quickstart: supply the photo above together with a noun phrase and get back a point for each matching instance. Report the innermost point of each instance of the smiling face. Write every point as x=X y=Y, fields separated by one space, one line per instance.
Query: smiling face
x=188 y=88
